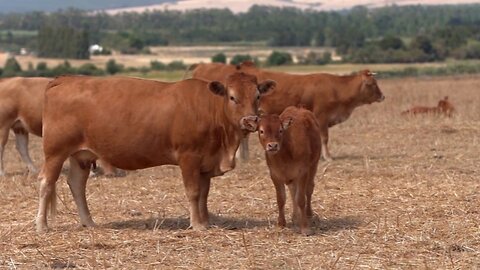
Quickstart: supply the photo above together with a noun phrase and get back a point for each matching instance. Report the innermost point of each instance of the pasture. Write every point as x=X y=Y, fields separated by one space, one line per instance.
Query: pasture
x=402 y=193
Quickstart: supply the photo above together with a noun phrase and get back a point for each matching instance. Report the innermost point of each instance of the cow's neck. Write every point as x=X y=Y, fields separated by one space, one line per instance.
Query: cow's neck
x=230 y=136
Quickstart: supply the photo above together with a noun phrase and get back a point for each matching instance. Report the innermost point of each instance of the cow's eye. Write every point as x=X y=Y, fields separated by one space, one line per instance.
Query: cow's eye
x=281 y=131
x=258 y=97
x=232 y=98
x=261 y=131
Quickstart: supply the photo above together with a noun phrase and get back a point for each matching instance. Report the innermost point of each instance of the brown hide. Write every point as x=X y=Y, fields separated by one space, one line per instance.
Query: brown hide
x=292 y=151
x=331 y=98
x=135 y=123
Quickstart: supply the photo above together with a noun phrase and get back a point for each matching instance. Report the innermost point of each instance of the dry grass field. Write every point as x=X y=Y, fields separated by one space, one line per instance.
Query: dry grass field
x=402 y=193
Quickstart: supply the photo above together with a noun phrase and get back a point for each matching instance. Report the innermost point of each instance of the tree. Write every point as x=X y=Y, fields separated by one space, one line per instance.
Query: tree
x=279 y=58
x=12 y=68
x=219 y=58
x=111 y=67
x=239 y=58
x=391 y=42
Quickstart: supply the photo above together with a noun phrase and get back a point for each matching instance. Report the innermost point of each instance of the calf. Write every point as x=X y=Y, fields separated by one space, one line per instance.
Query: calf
x=194 y=124
x=292 y=151
x=443 y=107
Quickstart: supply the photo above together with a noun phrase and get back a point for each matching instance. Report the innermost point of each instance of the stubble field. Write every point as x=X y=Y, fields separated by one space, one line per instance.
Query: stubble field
x=402 y=193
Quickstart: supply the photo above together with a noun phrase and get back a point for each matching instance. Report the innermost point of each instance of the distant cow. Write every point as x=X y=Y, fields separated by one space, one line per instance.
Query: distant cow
x=21 y=105
x=292 y=151
x=135 y=123
x=331 y=98
x=443 y=107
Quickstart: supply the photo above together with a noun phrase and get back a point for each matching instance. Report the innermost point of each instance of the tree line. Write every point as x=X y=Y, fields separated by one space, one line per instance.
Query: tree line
x=388 y=34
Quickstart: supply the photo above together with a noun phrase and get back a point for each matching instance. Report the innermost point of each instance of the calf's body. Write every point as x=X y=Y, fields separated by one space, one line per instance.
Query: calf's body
x=292 y=151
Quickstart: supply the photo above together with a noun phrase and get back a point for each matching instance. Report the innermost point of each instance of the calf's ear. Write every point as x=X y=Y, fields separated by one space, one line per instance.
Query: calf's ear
x=266 y=86
x=286 y=123
x=217 y=88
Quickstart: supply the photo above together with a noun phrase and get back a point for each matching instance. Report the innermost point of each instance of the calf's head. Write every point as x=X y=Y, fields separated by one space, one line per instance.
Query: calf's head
x=271 y=130
x=445 y=106
x=369 y=90
x=242 y=93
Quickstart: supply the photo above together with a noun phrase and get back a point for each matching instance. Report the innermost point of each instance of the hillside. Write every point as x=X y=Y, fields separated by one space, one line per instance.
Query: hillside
x=116 y=6
x=8 y=6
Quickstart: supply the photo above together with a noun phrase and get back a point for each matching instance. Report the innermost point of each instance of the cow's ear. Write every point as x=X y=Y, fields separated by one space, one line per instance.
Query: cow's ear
x=217 y=88
x=266 y=86
x=286 y=123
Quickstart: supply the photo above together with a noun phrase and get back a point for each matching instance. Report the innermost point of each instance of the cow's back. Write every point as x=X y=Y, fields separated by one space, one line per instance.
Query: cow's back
x=22 y=100
x=213 y=71
x=128 y=119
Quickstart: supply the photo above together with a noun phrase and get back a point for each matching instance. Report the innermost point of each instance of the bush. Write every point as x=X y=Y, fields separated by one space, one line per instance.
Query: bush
x=41 y=66
x=219 y=58
x=279 y=58
x=111 y=67
x=11 y=68
x=239 y=58
x=157 y=65
x=90 y=69
x=390 y=42
x=176 y=65
x=313 y=58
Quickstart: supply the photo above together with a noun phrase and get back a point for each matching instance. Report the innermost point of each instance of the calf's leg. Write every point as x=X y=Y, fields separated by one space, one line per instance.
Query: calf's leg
x=281 y=197
x=300 y=200
x=77 y=181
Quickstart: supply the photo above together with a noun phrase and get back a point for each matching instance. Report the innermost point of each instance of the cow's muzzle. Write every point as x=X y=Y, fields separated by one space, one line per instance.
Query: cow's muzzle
x=249 y=123
x=380 y=99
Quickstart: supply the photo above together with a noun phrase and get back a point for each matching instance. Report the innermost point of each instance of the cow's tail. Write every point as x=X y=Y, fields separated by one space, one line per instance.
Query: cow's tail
x=188 y=70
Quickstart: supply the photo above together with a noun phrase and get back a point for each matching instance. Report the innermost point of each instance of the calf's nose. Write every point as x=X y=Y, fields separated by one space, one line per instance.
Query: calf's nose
x=272 y=146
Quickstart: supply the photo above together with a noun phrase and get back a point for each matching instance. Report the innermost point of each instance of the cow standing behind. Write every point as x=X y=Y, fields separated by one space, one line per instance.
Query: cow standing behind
x=443 y=107
x=21 y=106
x=331 y=98
x=135 y=123
x=292 y=151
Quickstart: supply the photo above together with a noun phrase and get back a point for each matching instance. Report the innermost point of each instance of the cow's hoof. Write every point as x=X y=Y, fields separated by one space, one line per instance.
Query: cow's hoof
x=307 y=232
x=199 y=227
x=282 y=222
x=42 y=228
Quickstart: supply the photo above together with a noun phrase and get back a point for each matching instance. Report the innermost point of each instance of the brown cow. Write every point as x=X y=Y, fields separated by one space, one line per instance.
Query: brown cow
x=21 y=105
x=135 y=123
x=331 y=98
x=443 y=107
x=292 y=150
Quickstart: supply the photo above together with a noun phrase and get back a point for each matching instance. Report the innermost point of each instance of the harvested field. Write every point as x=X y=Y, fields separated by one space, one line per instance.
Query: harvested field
x=402 y=193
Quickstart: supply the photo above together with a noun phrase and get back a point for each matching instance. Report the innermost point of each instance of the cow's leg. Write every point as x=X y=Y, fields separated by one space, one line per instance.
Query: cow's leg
x=47 y=195
x=109 y=170
x=77 y=181
x=21 y=142
x=300 y=200
x=281 y=197
x=192 y=179
x=202 y=202
x=324 y=141
x=3 y=141
x=244 y=152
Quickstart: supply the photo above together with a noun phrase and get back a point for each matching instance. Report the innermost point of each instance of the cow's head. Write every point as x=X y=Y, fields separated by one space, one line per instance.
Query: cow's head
x=369 y=90
x=271 y=129
x=445 y=106
x=242 y=93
